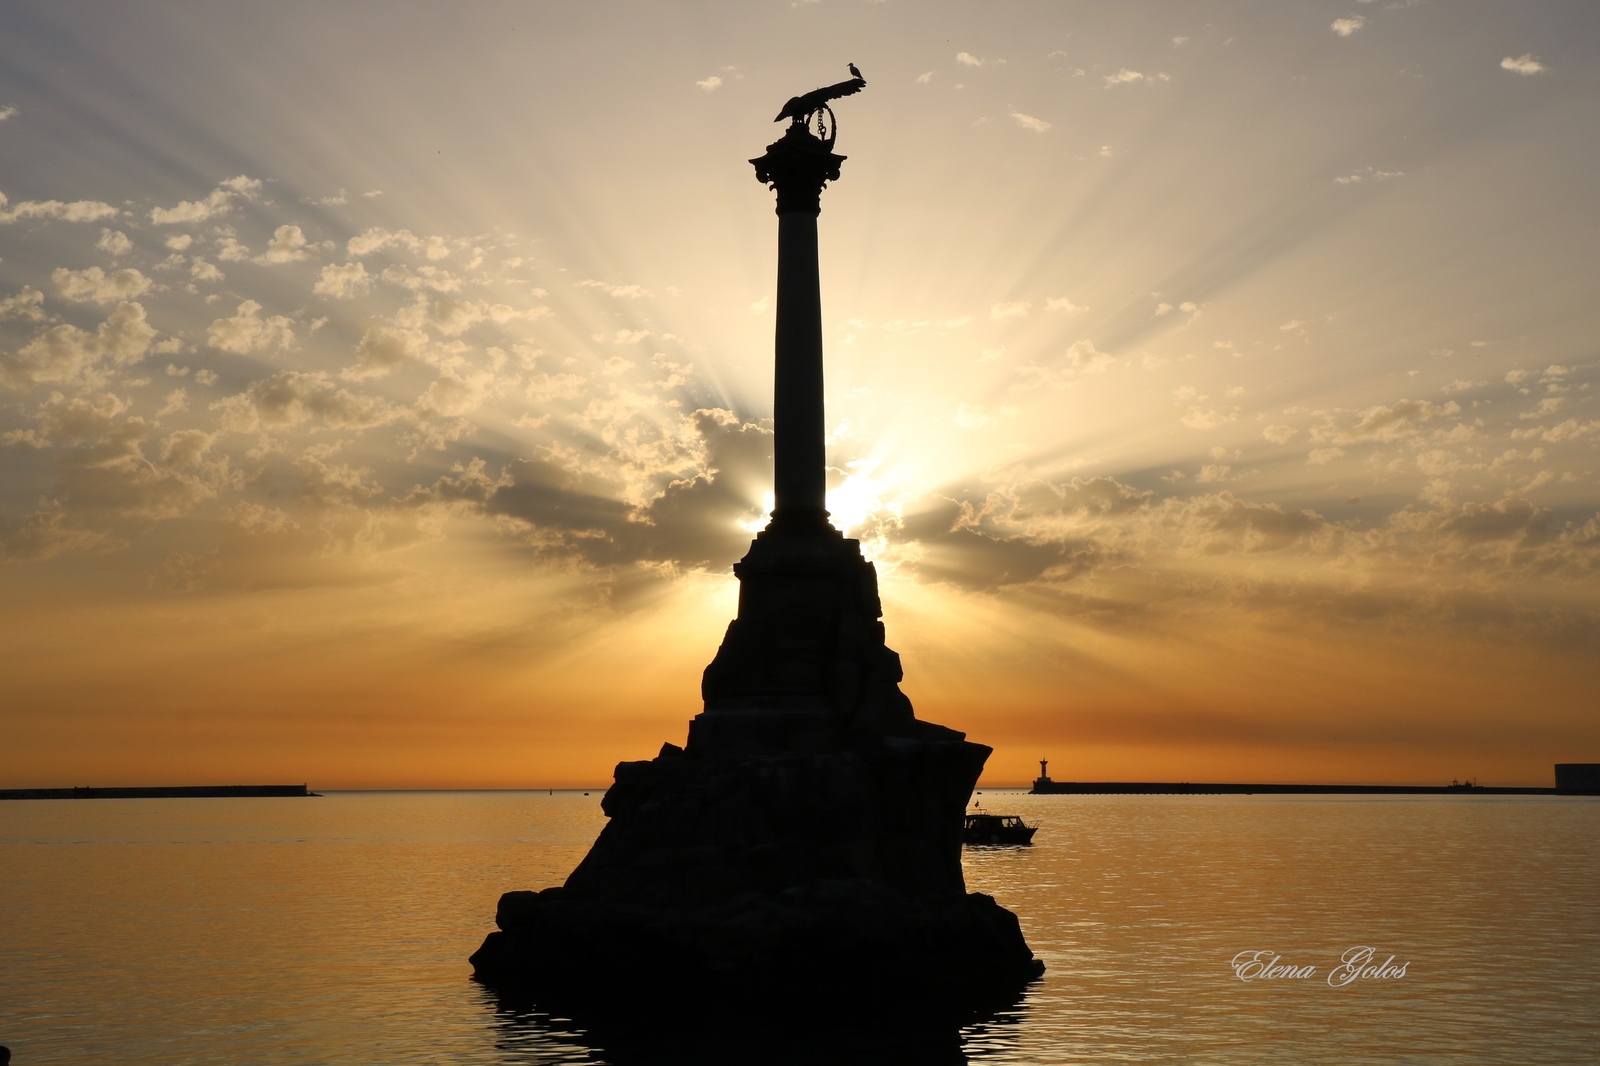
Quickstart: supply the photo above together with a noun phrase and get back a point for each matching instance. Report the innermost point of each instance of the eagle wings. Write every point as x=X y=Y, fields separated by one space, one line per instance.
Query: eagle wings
x=800 y=108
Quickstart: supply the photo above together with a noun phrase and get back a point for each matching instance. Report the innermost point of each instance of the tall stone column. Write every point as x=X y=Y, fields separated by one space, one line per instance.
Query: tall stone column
x=804 y=667
x=797 y=166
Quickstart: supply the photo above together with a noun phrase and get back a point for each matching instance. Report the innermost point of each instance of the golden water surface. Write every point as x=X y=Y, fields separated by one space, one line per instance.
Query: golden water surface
x=336 y=931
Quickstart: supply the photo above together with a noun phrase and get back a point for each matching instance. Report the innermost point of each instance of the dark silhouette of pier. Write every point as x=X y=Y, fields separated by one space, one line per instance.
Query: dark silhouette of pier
x=1572 y=779
x=155 y=792
x=1209 y=788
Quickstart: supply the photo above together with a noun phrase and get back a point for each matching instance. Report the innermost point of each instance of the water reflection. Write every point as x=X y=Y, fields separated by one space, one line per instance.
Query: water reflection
x=152 y=933
x=525 y=1034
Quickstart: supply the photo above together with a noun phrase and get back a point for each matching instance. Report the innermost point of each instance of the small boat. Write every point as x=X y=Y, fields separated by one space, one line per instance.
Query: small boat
x=985 y=828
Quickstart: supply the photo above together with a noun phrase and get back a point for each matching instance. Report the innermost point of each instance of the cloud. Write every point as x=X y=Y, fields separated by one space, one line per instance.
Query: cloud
x=1278 y=434
x=288 y=245
x=1523 y=64
x=1012 y=309
x=22 y=440
x=94 y=285
x=696 y=520
x=569 y=506
x=76 y=211
x=1224 y=523
x=42 y=535
x=1080 y=358
x=1207 y=418
x=336 y=538
x=200 y=270
x=177 y=400
x=1571 y=429
x=246 y=331
x=66 y=353
x=925 y=77
x=137 y=487
x=1061 y=305
x=343 y=281
x=26 y=306
x=7 y=112
x=1084 y=358
x=219 y=202
x=377 y=239
x=1346 y=26
x=324 y=483
x=967 y=59
x=292 y=397
x=1473 y=524
x=1124 y=77
x=111 y=478
x=1032 y=532
x=78 y=418
x=556 y=492
x=229 y=250
x=1028 y=122
x=451 y=317
x=114 y=243
x=626 y=292
x=1384 y=424
x=710 y=84
x=1368 y=173
x=949 y=551
x=382 y=348
x=424 y=277
x=1035 y=500
x=452 y=395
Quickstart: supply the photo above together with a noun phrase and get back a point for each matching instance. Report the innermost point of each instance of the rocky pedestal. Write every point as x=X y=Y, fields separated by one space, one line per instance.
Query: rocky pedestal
x=803 y=854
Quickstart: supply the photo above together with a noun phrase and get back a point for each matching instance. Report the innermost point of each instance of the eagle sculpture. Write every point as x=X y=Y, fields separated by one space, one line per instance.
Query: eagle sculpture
x=801 y=108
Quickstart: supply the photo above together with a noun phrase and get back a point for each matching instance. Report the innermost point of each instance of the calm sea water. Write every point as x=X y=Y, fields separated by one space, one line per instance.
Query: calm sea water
x=336 y=930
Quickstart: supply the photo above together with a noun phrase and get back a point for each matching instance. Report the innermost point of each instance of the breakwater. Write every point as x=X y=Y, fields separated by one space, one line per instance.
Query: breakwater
x=155 y=792
x=1199 y=788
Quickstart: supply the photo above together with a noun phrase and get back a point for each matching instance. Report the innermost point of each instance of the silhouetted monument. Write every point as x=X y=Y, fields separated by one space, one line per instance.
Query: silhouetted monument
x=803 y=852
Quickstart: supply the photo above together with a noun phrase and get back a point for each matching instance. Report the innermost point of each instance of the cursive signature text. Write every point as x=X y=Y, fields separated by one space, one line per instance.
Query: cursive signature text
x=1357 y=964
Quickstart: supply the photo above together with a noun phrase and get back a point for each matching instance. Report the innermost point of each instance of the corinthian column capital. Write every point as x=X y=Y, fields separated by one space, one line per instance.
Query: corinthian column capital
x=797 y=165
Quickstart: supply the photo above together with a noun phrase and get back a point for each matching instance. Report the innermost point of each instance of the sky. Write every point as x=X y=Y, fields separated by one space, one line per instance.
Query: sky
x=385 y=388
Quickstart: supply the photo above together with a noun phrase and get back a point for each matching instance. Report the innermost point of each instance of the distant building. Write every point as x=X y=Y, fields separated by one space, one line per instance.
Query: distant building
x=1042 y=783
x=1578 y=776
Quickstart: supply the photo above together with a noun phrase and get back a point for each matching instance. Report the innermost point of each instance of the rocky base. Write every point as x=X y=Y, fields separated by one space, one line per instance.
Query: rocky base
x=824 y=949
x=771 y=887
x=690 y=832
x=801 y=858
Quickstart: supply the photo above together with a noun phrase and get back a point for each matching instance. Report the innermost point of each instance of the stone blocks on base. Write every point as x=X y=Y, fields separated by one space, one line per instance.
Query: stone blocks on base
x=768 y=885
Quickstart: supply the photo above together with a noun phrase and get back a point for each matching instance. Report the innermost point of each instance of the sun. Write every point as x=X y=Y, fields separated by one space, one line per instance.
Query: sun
x=860 y=496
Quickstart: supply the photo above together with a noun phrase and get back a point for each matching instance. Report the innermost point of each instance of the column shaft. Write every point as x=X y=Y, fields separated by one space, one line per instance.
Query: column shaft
x=800 y=482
